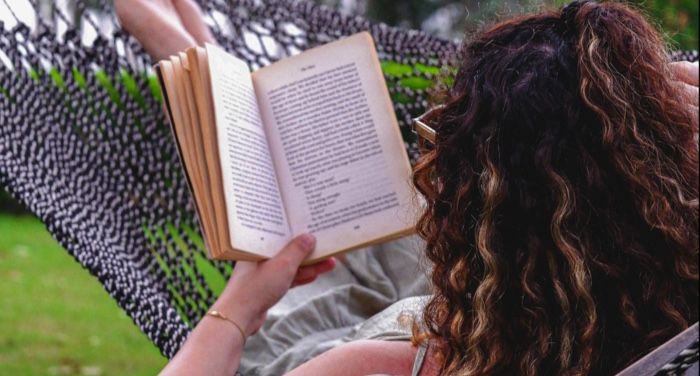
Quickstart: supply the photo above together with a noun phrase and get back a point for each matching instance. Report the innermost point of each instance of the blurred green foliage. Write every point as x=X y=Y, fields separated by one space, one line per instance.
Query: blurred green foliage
x=677 y=19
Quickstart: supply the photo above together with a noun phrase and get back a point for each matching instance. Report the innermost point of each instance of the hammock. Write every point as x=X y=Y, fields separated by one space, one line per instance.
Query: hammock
x=85 y=146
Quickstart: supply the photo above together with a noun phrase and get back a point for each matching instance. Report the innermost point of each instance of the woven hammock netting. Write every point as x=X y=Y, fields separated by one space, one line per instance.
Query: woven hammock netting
x=85 y=146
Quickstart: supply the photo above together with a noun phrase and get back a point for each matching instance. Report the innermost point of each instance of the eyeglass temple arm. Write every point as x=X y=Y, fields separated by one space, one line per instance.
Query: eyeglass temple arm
x=424 y=130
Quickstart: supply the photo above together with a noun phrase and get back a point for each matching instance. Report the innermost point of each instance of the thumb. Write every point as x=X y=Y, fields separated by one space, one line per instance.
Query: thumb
x=294 y=253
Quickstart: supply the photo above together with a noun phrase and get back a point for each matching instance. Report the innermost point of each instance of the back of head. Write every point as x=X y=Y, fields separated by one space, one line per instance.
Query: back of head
x=562 y=198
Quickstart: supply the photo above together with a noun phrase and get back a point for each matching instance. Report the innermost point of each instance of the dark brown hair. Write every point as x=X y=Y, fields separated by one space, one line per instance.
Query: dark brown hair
x=562 y=198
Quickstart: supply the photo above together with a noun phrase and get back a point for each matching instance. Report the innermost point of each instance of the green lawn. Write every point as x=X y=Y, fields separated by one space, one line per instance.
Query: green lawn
x=55 y=318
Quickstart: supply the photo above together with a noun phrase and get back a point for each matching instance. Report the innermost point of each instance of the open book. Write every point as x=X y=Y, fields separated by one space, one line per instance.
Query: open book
x=308 y=144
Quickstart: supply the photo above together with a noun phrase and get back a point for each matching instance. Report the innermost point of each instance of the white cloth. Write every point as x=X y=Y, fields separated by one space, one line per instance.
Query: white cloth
x=373 y=293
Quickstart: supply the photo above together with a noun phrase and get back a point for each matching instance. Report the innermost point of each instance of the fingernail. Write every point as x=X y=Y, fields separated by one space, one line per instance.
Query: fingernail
x=329 y=265
x=308 y=241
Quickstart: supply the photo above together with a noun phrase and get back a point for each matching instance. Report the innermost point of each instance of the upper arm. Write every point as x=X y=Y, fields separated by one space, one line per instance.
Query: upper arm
x=362 y=358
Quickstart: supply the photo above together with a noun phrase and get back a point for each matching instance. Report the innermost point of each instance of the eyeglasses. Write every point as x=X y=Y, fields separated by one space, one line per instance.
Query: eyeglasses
x=422 y=129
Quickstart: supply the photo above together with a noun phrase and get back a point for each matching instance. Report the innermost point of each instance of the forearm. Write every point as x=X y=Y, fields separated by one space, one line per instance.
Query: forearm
x=213 y=348
x=215 y=345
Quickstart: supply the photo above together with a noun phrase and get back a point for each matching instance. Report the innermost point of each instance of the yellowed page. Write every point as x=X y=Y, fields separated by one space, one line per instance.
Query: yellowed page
x=256 y=214
x=193 y=142
x=170 y=73
x=338 y=152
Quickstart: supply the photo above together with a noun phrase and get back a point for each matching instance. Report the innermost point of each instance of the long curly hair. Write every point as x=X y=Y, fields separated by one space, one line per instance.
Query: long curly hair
x=561 y=198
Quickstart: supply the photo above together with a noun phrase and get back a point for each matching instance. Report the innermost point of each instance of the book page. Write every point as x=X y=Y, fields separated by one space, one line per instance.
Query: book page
x=204 y=132
x=257 y=217
x=342 y=165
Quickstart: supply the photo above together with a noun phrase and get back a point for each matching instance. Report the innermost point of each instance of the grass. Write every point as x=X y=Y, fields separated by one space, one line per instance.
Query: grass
x=55 y=318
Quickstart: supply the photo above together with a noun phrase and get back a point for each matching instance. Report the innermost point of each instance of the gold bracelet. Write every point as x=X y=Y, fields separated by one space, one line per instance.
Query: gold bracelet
x=221 y=316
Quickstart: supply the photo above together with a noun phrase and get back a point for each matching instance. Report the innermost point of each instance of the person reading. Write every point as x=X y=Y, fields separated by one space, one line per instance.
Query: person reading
x=561 y=206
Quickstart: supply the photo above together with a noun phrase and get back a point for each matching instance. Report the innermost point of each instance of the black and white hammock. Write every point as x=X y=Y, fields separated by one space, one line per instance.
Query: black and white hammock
x=85 y=146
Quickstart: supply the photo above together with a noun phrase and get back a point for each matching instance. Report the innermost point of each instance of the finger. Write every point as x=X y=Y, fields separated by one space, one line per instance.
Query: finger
x=303 y=282
x=686 y=72
x=193 y=20
x=314 y=270
x=292 y=255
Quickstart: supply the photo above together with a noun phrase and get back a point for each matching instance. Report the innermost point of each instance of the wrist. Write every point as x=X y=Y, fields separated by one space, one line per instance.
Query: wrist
x=223 y=317
x=238 y=309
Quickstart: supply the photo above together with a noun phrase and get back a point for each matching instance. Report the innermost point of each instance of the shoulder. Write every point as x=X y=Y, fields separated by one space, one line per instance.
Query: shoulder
x=362 y=358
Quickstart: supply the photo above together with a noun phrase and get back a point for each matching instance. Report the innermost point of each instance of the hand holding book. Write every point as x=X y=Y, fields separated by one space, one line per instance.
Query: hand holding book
x=256 y=287
x=216 y=344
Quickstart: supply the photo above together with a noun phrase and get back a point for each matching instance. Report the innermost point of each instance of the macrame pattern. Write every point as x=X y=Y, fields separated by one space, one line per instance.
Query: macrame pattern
x=85 y=146
x=681 y=363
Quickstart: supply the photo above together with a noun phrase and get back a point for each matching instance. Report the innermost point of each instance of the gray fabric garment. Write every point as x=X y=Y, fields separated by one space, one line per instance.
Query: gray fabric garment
x=372 y=294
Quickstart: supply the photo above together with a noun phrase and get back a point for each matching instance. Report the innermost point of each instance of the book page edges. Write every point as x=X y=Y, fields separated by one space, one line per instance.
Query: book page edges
x=195 y=142
x=165 y=77
x=216 y=249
